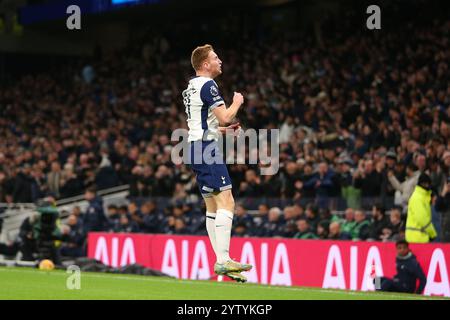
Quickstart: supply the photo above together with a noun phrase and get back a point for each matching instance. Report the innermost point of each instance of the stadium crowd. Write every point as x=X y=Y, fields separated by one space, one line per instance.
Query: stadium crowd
x=183 y=218
x=360 y=118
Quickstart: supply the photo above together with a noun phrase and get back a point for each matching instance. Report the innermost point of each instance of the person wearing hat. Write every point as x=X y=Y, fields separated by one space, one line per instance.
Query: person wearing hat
x=419 y=228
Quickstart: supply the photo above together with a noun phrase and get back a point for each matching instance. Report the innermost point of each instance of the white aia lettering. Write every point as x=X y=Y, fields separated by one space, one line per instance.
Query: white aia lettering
x=373 y=259
x=281 y=261
x=248 y=256
x=334 y=259
x=128 y=255
x=200 y=263
x=281 y=271
x=170 y=260
x=433 y=287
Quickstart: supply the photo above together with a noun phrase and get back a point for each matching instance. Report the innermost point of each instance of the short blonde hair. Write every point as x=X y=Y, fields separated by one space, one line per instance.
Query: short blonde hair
x=199 y=55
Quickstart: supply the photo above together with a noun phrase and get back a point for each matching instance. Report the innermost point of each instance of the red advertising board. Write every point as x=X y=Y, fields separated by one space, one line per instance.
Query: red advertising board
x=290 y=262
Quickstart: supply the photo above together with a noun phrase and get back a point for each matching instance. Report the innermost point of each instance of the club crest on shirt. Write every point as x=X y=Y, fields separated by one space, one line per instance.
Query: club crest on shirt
x=213 y=90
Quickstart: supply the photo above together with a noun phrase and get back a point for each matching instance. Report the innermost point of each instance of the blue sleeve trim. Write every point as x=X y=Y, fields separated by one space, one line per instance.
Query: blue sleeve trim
x=210 y=94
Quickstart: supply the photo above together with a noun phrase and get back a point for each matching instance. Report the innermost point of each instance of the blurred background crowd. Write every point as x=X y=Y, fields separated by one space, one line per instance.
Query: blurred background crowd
x=361 y=114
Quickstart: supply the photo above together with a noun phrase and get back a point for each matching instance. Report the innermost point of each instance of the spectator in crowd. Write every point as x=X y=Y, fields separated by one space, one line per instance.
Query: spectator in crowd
x=362 y=226
x=406 y=188
x=307 y=191
x=180 y=226
x=194 y=218
x=106 y=177
x=349 y=193
x=55 y=178
x=395 y=230
x=312 y=216
x=274 y=225
x=348 y=224
x=262 y=214
x=151 y=218
x=323 y=230
x=335 y=231
x=419 y=227
x=443 y=206
x=123 y=209
x=260 y=219
x=73 y=238
x=304 y=231
x=325 y=214
x=70 y=182
x=23 y=185
x=94 y=218
x=368 y=180
x=113 y=217
x=323 y=184
x=291 y=183
x=289 y=222
x=299 y=211
x=126 y=225
x=378 y=223
x=169 y=225
x=409 y=272
x=242 y=217
x=251 y=187
x=240 y=230
x=164 y=182
x=134 y=213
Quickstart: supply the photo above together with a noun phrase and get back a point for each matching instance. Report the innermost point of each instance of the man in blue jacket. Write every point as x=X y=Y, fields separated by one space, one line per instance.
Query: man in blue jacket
x=408 y=271
x=322 y=182
x=94 y=218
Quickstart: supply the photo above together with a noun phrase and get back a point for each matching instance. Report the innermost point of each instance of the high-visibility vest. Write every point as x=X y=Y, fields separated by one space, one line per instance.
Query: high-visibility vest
x=419 y=228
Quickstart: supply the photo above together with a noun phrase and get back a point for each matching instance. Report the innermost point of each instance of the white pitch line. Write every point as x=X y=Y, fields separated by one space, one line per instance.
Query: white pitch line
x=204 y=282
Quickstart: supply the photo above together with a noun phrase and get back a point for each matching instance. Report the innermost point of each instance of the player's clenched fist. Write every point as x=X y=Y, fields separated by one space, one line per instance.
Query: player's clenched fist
x=238 y=98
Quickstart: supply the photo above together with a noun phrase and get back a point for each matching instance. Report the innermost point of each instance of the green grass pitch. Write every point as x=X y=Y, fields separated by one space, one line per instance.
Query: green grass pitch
x=27 y=283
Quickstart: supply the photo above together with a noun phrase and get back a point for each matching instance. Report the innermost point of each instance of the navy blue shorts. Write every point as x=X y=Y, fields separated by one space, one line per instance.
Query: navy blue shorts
x=208 y=164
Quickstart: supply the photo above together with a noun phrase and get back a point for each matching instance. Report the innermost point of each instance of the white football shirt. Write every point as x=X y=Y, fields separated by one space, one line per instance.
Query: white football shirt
x=200 y=98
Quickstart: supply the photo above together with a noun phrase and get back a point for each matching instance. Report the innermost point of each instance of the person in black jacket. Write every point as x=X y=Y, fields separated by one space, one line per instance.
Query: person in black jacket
x=379 y=222
x=443 y=206
x=274 y=226
x=25 y=242
x=94 y=218
x=151 y=218
x=408 y=271
x=73 y=238
x=23 y=185
x=368 y=180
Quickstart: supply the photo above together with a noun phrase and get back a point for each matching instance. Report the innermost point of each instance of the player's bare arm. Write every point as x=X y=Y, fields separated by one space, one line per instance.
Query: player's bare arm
x=226 y=115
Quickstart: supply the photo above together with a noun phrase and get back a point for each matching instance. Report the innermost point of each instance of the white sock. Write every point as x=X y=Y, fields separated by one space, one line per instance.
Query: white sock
x=224 y=221
x=211 y=229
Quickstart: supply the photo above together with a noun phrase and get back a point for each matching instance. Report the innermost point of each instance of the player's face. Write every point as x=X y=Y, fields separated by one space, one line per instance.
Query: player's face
x=214 y=64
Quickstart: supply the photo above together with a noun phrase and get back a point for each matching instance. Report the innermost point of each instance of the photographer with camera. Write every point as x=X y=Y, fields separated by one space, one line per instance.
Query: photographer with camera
x=45 y=230
x=37 y=234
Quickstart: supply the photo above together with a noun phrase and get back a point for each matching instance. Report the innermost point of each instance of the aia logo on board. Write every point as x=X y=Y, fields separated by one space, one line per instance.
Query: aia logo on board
x=109 y=254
